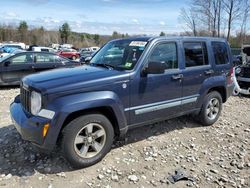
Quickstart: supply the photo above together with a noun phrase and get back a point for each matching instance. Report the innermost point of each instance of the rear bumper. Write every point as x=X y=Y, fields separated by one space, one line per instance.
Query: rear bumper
x=230 y=90
x=29 y=127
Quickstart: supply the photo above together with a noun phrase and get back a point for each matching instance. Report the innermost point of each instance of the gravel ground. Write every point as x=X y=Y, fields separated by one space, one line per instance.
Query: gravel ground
x=215 y=156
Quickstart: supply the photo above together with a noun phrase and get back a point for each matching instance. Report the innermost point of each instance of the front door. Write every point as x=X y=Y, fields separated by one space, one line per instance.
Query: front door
x=16 y=67
x=156 y=96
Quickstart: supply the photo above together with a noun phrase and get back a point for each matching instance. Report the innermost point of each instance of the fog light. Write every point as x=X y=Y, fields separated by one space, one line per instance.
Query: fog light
x=45 y=129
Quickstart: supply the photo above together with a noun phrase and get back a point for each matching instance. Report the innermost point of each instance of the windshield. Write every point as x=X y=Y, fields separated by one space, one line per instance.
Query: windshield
x=120 y=54
x=5 y=57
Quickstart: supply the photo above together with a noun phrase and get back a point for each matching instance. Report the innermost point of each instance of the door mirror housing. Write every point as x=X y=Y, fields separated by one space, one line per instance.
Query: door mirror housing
x=88 y=59
x=154 y=67
x=6 y=63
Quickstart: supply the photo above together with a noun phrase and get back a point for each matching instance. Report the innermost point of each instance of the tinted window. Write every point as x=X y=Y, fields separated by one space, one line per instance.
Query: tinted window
x=21 y=59
x=59 y=59
x=45 y=58
x=44 y=50
x=167 y=53
x=220 y=53
x=195 y=54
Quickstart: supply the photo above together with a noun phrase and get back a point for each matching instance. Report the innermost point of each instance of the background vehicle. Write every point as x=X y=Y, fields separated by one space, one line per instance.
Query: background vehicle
x=69 y=53
x=43 y=49
x=14 y=67
x=128 y=83
x=18 y=45
x=237 y=58
x=243 y=71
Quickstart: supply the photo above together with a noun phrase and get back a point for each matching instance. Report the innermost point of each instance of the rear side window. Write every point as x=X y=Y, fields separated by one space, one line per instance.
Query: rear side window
x=220 y=53
x=167 y=53
x=45 y=58
x=195 y=54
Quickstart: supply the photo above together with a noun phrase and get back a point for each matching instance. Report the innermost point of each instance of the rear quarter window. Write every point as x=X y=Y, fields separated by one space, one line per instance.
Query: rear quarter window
x=220 y=51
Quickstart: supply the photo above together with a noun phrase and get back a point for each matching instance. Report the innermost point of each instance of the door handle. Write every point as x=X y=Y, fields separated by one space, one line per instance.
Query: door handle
x=209 y=72
x=177 y=77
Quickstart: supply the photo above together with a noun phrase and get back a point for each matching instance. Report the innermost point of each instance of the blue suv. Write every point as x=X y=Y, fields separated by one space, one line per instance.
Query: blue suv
x=128 y=83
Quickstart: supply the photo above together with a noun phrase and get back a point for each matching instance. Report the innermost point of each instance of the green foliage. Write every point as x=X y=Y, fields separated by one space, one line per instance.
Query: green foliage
x=162 y=34
x=65 y=32
x=97 y=39
x=23 y=29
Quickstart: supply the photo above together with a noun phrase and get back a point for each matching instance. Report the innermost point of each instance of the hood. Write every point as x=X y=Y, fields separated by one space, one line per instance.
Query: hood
x=73 y=78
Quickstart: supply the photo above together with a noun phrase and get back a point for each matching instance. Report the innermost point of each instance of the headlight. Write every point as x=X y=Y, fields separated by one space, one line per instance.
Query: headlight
x=36 y=102
x=238 y=70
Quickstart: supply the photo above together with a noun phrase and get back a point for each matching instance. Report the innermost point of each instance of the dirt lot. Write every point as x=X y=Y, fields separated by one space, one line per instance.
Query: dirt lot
x=215 y=156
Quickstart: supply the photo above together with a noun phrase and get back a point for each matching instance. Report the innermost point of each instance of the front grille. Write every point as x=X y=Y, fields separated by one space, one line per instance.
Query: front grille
x=244 y=85
x=245 y=72
x=25 y=98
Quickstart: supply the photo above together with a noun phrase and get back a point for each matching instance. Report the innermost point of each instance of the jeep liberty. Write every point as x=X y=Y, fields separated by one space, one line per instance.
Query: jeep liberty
x=128 y=82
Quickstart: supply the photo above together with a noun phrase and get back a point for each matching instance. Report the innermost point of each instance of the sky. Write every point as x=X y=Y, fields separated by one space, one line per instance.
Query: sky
x=97 y=16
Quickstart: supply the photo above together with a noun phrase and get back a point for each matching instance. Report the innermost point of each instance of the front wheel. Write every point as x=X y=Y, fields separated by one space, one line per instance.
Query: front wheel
x=87 y=139
x=211 y=108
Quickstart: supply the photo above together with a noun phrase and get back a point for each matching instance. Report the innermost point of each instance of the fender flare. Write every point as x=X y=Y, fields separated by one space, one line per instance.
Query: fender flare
x=209 y=83
x=66 y=105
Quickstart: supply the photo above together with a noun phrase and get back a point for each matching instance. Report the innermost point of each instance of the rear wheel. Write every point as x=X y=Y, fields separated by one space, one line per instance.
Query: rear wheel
x=211 y=108
x=87 y=139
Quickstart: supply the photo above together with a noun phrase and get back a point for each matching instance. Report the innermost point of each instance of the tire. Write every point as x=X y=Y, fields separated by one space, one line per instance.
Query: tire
x=79 y=145
x=74 y=57
x=211 y=109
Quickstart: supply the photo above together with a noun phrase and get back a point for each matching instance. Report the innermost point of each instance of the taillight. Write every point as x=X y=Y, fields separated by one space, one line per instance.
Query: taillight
x=230 y=76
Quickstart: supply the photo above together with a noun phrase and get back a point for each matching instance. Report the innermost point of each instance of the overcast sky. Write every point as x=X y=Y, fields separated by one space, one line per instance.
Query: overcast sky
x=97 y=16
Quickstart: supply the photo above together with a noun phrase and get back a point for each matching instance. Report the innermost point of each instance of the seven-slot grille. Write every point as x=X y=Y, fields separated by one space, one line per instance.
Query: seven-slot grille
x=25 y=98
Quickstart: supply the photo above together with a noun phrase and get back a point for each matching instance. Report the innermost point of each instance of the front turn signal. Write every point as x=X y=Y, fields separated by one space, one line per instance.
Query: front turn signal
x=45 y=129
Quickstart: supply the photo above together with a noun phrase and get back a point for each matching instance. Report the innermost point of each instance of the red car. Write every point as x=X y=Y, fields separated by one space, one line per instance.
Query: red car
x=69 y=53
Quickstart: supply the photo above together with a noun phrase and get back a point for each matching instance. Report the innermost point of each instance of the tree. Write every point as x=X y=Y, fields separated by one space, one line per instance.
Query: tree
x=245 y=18
x=233 y=11
x=65 y=32
x=162 y=34
x=97 y=39
x=189 y=19
x=115 y=35
x=23 y=29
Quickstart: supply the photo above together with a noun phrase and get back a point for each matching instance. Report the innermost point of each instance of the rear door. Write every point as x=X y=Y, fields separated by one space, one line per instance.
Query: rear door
x=45 y=61
x=196 y=70
x=17 y=67
x=221 y=58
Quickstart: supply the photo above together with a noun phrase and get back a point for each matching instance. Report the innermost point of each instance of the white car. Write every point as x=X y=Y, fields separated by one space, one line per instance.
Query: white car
x=43 y=49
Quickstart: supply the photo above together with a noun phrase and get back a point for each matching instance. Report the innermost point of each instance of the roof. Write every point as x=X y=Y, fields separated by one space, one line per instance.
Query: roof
x=148 y=38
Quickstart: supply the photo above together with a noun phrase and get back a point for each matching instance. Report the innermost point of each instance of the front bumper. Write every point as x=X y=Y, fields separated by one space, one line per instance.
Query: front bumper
x=244 y=84
x=30 y=127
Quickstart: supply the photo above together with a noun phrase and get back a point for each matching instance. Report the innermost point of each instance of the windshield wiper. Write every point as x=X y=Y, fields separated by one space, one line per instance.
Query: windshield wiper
x=105 y=65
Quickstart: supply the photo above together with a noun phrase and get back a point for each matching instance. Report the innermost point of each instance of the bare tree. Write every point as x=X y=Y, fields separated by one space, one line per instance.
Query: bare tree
x=233 y=10
x=189 y=19
x=245 y=18
x=219 y=4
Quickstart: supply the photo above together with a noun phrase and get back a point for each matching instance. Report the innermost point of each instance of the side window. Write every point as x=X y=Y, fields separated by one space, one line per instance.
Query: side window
x=22 y=59
x=45 y=58
x=220 y=53
x=195 y=54
x=167 y=53
x=59 y=59
x=44 y=50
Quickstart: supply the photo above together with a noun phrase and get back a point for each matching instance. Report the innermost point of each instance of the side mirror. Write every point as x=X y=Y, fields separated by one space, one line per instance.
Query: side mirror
x=6 y=63
x=87 y=59
x=154 y=67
